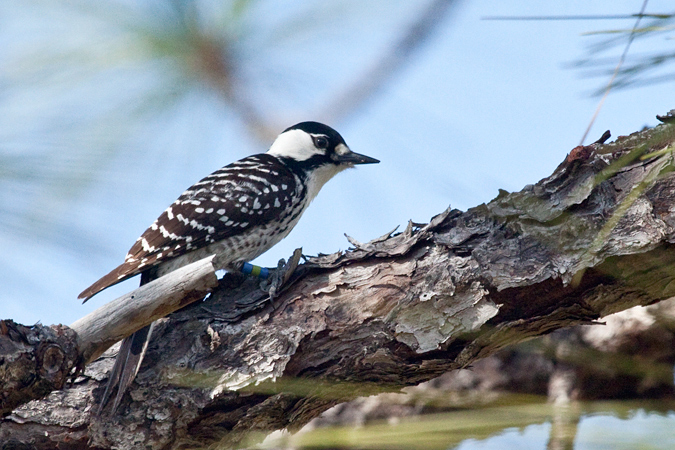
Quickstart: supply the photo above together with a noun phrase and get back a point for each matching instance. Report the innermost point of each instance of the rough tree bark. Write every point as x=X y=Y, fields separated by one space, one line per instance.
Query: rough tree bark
x=594 y=238
x=39 y=359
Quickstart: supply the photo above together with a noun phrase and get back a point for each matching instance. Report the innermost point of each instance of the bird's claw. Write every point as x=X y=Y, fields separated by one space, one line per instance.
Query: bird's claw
x=279 y=277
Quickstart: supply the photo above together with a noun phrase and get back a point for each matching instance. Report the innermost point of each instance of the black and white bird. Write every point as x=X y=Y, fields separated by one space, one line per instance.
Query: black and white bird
x=237 y=213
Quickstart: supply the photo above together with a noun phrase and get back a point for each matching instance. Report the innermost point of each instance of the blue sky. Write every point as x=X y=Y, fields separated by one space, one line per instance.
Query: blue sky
x=483 y=105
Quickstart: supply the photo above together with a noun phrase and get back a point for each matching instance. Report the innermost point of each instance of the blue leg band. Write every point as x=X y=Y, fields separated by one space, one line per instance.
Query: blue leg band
x=256 y=271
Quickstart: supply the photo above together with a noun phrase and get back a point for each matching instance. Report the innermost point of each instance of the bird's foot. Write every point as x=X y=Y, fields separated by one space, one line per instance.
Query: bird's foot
x=280 y=276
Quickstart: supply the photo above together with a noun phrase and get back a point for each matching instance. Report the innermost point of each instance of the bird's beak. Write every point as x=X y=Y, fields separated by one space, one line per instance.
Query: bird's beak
x=346 y=156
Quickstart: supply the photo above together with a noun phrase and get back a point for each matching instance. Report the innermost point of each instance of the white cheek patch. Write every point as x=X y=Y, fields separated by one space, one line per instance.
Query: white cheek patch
x=295 y=144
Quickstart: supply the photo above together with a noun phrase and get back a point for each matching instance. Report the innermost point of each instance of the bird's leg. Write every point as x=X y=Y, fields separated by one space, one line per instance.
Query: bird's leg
x=277 y=278
x=256 y=271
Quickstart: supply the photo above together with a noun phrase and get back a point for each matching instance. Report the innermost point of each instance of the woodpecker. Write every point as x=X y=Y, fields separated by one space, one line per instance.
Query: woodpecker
x=237 y=213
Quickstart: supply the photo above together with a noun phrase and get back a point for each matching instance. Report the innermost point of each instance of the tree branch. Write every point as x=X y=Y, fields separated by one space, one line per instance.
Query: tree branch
x=36 y=360
x=594 y=238
x=125 y=315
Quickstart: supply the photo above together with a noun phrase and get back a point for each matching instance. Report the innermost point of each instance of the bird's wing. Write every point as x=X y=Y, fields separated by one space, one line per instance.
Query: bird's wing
x=251 y=192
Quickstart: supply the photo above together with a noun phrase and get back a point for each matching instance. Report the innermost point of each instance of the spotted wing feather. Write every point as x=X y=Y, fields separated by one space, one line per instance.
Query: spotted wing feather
x=251 y=192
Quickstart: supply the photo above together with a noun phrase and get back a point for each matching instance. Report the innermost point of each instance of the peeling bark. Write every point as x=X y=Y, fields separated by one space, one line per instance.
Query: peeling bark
x=594 y=238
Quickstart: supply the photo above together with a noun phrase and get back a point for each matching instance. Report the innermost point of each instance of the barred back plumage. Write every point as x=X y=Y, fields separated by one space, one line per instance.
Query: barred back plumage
x=237 y=213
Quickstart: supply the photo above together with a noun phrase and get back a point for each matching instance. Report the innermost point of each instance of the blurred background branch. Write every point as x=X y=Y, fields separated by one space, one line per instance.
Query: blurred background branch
x=642 y=68
x=87 y=79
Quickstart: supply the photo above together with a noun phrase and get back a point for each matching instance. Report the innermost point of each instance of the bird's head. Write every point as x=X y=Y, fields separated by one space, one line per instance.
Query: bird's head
x=313 y=145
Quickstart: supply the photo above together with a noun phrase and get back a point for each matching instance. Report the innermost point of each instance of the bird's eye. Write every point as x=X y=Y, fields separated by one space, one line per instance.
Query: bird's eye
x=321 y=142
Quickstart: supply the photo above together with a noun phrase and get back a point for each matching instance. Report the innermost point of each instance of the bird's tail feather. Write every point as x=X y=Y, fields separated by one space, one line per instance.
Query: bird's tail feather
x=129 y=358
x=126 y=366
